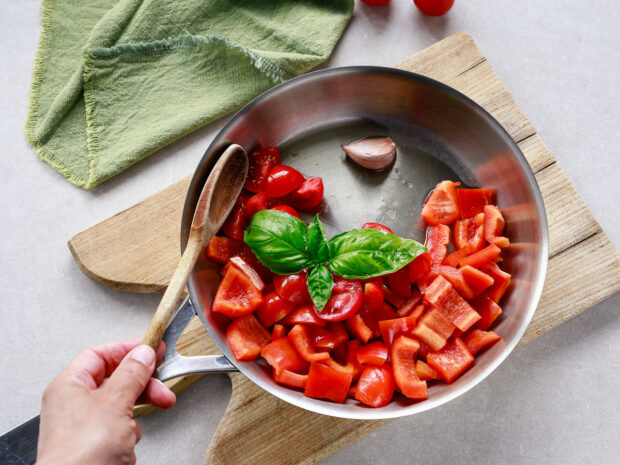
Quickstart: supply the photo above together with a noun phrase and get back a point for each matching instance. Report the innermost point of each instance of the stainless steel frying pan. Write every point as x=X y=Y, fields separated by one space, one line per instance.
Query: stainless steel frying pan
x=440 y=134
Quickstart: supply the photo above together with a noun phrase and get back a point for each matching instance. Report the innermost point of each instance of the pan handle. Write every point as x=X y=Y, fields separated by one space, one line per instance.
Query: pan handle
x=174 y=364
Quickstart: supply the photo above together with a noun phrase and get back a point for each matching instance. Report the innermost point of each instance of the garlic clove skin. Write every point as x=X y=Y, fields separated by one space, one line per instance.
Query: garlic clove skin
x=374 y=153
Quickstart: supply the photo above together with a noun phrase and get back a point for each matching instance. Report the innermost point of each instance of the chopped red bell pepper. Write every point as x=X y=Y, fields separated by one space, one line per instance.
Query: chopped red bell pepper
x=236 y=295
x=377 y=226
x=290 y=378
x=278 y=332
x=303 y=314
x=437 y=240
x=391 y=329
x=494 y=226
x=375 y=353
x=403 y=354
x=473 y=201
x=246 y=336
x=300 y=338
x=469 y=234
x=478 y=340
x=372 y=319
x=454 y=257
x=399 y=282
x=410 y=304
x=482 y=257
x=433 y=329
x=220 y=249
x=442 y=295
x=442 y=206
x=457 y=280
x=488 y=310
x=501 y=281
x=373 y=296
x=339 y=354
x=353 y=347
x=451 y=361
x=425 y=372
x=327 y=383
x=358 y=328
x=248 y=270
x=419 y=267
x=274 y=308
x=375 y=386
x=477 y=280
x=393 y=298
x=328 y=338
x=281 y=355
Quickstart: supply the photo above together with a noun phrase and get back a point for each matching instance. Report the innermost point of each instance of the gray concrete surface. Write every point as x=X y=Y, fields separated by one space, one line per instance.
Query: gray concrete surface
x=552 y=401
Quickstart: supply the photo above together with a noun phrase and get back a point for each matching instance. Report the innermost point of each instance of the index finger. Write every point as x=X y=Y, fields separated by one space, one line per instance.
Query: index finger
x=94 y=364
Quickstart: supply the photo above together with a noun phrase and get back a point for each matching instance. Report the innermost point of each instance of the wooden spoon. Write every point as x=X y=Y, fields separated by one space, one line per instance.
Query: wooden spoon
x=215 y=203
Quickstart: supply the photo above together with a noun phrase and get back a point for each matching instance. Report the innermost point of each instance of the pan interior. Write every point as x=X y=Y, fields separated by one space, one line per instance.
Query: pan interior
x=439 y=135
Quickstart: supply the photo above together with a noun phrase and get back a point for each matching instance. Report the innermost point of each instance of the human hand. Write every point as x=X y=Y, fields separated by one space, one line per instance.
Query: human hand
x=87 y=410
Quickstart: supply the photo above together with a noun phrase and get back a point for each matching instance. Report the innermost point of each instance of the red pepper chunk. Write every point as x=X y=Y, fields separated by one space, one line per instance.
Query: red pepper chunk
x=442 y=207
x=372 y=319
x=391 y=329
x=327 y=383
x=399 y=282
x=246 y=337
x=373 y=296
x=494 y=226
x=419 y=268
x=375 y=386
x=281 y=355
x=375 y=353
x=290 y=378
x=235 y=224
x=488 y=310
x=473 y=201
x=410 y=304
x=328 y=338
x=358 y=328
x=457 y=280
x=377 y=226
x=220 y=249
x=501 y=282
x=425 y=372
x=442 y=295
x=478 y=340
x=477 y=280
x=299 y=337
x=434 y=329
x=278 y=332
x=451 y=361
x=482 y=257
x=303 y=314
x=437 y=240
x=353 y=347
x=403 y=353
x=274 y=308
x=236 y=295
x=469 y=234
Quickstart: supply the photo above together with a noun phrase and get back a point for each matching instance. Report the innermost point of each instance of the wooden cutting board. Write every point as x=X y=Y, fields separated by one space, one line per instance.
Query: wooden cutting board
x=138 y=249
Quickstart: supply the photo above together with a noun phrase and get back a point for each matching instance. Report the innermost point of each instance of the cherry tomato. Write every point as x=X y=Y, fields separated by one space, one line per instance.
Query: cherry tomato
x=292 y=287
x=261 y=163
x=235 y=223
x=309 y=195
x=346 y=299
x=434 y=7
x=287 y=209
x=282 y=180
x=378 y=227
x=376 y=386
x=256 y=203
x=376 y=2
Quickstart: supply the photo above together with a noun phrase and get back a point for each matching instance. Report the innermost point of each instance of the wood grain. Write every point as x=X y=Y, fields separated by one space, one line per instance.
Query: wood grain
x=110 y=255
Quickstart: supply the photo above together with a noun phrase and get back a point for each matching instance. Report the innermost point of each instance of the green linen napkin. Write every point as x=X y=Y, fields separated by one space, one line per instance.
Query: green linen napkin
x=116 y=80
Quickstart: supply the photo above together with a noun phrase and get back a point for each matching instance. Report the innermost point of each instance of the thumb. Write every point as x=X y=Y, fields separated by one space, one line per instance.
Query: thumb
x=132 y=374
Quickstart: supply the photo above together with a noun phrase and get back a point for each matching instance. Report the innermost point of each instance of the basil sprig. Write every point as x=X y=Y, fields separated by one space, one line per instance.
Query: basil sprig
x=285 y=245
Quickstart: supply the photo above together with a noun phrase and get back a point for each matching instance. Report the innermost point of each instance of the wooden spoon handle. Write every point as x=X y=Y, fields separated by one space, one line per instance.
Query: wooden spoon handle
x=173 y=294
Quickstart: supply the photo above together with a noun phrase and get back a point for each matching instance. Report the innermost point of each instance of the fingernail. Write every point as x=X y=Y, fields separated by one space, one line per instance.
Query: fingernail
x=143 y=354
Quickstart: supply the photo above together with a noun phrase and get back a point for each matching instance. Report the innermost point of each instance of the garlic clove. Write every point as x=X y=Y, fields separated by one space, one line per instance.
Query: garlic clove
x=374 y=153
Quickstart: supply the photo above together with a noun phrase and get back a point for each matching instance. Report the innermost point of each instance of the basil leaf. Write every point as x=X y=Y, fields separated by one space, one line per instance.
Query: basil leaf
x=279 y=241
x=320 y=285
x=365 y=253
x=317 y=242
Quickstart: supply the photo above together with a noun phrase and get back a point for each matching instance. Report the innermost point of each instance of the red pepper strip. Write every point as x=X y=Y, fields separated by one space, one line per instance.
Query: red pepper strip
x=486 y=255
x=425 y=372
x=478 y=340
x=353 y=348
x=373 y=296
x=220 y=249
x=403 y=353
x=393 y=298
x=409 y=305
x=457 y=280
x=501 y=282
x=451 y=361
x=391 y=329
x=488 y=310
x=494 y=226
x=299 y=337
x=454 y=257
x=477 y=280
x=441 y=206
x=472 y=201
x=358 y=328
x=278 y=332
x=372 y=319
x=290 y=378
x=434 y=329
x=437 y=240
